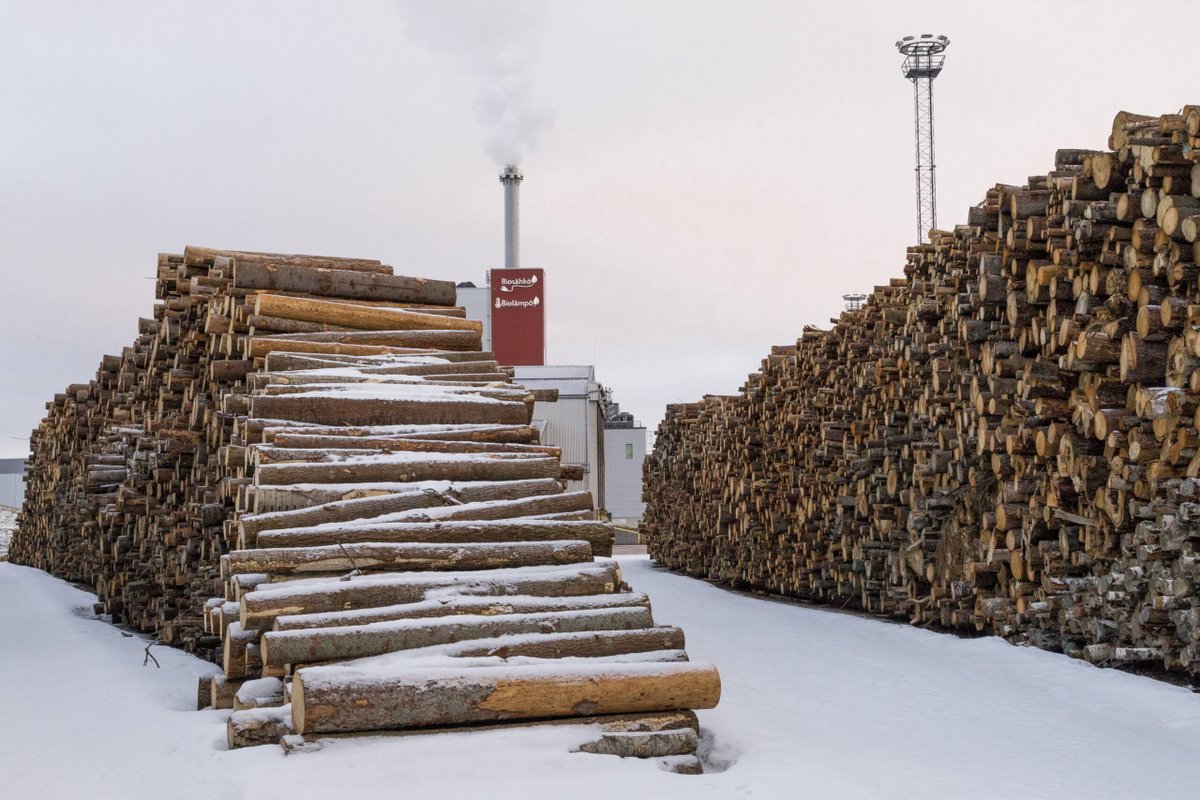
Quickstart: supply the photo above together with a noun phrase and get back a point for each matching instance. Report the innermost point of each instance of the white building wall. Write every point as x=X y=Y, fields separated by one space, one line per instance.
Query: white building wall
x=477 y=300
x=566 y=428
x=12 y=490
x=624 y=452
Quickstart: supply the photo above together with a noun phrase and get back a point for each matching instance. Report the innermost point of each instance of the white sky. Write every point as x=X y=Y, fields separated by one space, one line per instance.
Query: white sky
x=716 y=176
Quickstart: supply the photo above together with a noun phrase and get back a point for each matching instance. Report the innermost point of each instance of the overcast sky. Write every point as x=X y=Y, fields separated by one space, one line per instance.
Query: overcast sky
x=702 y=178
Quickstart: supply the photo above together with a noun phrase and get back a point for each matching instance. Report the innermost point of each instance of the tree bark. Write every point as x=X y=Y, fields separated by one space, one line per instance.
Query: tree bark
x=337 y=699
x=376 y=557
x=261 y=607
x=280 y=648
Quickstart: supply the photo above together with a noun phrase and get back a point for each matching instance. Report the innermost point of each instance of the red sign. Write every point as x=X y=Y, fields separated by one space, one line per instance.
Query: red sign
x=518 y=317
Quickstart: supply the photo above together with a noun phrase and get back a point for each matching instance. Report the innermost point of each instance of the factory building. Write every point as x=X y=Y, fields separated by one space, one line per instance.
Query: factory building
x=12 y=482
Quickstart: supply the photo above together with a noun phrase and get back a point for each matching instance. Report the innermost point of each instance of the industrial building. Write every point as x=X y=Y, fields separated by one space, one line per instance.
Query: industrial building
x=12 y=482
x=584 y=422
x=624 y=451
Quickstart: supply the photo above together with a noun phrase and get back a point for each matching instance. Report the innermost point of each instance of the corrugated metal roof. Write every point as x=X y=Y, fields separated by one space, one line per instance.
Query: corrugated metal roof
x=571 y=381
x=558 y=371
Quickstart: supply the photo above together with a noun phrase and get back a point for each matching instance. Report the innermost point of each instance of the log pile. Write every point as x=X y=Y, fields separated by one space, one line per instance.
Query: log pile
x=1004 y=441
x=306 y=470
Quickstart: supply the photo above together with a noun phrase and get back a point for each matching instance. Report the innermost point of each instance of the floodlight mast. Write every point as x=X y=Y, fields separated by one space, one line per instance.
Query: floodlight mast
x=923 y=60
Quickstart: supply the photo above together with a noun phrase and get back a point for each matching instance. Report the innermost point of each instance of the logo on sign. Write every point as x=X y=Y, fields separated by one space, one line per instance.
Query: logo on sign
x=512 y=284
x=533 y=303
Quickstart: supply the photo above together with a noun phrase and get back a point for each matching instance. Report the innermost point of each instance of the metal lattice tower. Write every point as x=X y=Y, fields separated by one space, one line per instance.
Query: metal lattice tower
x=854 y=302
x=923 y=61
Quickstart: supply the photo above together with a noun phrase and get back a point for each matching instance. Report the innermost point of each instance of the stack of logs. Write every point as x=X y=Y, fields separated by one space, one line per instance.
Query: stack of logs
x=322 y=444
x=1006 y=440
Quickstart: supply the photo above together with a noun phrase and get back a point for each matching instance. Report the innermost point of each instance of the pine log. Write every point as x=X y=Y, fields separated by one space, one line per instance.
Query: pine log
x=307 y=646
x=459 y=604
x=341 y=283
x=372 y=557
x=341 y=698
x=259 y=608
x=327 y=409
x=598 y=535
x=359 y=317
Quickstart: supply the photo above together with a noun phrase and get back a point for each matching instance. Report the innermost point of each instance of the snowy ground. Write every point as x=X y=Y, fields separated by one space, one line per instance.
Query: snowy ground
x=816 y=705
x=8 y=521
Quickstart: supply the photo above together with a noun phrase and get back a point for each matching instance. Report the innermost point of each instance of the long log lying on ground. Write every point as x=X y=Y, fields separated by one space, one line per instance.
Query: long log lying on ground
x=343 y=698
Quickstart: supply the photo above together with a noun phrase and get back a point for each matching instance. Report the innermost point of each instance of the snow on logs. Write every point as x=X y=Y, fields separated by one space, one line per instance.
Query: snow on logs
x=1006 y=440
x=323 y=444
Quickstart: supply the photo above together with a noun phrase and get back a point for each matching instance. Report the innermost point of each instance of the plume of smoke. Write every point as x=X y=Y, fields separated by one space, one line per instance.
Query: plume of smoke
x=498 y=43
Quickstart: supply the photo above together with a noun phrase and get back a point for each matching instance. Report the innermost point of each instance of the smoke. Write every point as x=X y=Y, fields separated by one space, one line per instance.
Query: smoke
x=497 y=42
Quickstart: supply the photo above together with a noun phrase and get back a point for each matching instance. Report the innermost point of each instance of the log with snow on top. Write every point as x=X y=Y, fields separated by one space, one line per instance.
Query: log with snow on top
x=260 y=607
x=460 y=604
x=369 y=557
x=268 y=430
x=598 y=535
x=368 y=409
x=392 y=444
x=345 y=698
x=450 y=495
x=264 y=499
x=283 y=361
x=260 y=346
x=401 y=467
x=303 y=646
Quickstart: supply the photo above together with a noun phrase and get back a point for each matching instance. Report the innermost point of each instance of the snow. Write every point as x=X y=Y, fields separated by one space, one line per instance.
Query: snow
x=816 y=704
x=8 y=523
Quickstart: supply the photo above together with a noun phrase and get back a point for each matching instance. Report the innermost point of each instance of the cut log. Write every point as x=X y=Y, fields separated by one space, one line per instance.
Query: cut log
x=279 y=648
x=368 y=507
x=262 y=606
x=375 y=557
x=255 y=726
x=341 y=283
x=332 y=408
x=341 y=698
x=480 y=606
x=359 y=317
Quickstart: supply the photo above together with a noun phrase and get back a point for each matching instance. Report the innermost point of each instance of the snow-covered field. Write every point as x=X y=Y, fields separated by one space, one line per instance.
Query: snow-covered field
x=816 y=705
x=8 y=521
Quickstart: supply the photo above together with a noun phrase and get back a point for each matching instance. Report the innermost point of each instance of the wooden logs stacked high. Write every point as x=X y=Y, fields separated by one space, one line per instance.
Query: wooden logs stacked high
x=1006 y=440
x=322 y=445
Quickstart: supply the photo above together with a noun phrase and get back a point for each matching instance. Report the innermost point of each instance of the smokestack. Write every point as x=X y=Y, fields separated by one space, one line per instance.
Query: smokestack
x=511 y=177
